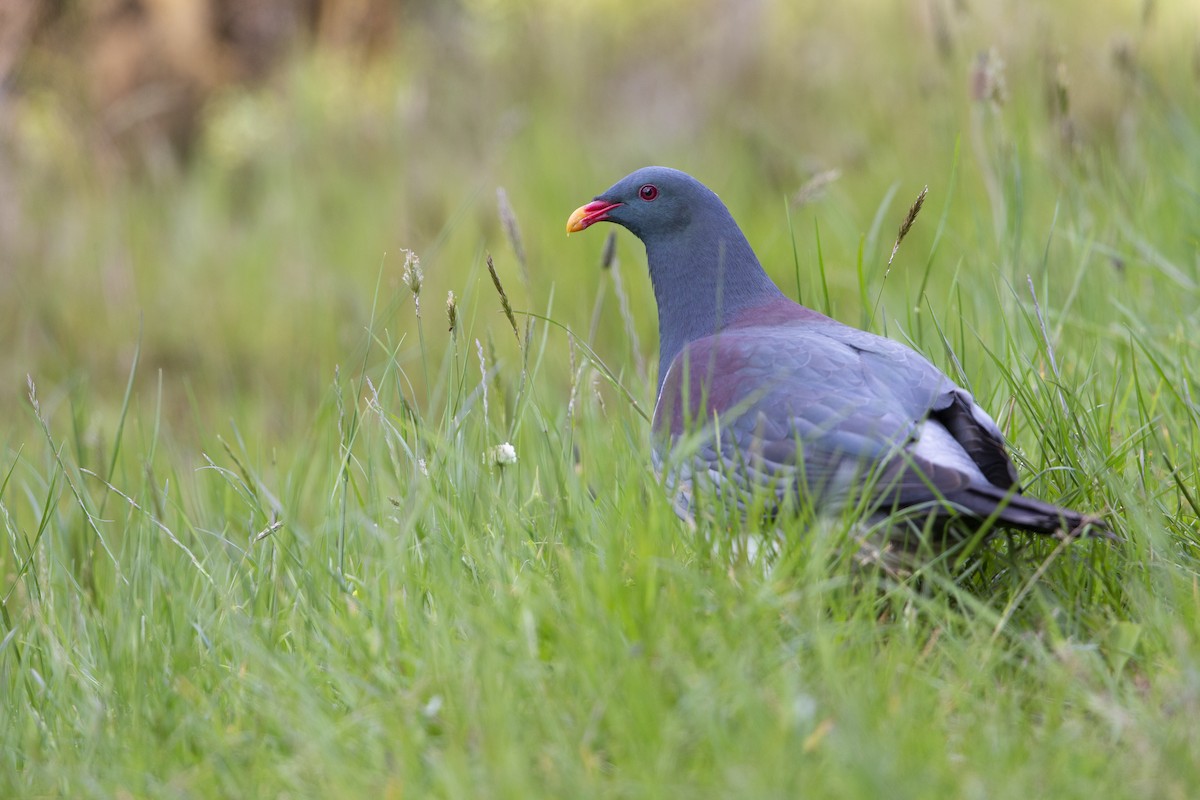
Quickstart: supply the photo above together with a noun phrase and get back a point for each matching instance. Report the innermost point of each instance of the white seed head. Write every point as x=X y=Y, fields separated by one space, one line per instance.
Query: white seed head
x=412 y=275
x=502 y=455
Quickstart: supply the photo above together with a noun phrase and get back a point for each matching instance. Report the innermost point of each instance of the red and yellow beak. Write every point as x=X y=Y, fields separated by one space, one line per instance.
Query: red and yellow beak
x=593 y=212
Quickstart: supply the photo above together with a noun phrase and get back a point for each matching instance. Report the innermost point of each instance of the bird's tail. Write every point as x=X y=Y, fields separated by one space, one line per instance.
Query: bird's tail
x=1027 y=513
x=899 y=544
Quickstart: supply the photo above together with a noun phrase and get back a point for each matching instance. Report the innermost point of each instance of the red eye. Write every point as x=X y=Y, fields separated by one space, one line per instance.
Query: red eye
x=648 y=192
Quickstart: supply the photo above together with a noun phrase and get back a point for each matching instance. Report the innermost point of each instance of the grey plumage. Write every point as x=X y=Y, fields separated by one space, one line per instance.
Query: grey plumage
x=792 y=402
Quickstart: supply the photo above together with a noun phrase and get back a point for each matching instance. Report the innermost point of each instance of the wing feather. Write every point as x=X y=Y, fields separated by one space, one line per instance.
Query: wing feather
x=814 y=408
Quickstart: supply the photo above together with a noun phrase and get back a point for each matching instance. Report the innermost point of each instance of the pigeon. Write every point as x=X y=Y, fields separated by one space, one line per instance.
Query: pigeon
x=759 y=394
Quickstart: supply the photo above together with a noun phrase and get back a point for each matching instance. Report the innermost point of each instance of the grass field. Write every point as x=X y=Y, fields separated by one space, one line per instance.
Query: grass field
x=256 y=542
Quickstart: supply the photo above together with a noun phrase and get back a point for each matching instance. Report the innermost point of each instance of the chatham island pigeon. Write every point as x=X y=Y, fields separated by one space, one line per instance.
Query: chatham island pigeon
x=757 y=393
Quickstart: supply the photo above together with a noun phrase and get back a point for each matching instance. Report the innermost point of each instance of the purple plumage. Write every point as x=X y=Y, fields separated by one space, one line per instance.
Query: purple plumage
x=786 y=400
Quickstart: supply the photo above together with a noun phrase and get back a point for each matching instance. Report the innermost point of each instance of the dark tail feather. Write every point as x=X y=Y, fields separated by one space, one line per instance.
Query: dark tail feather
x=1028 y=513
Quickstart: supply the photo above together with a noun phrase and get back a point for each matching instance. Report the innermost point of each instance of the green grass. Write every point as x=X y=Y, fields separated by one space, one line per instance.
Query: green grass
x=254 y=546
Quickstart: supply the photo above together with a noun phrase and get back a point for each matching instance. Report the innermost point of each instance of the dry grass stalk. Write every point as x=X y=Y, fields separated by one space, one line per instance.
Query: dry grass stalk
x=413 y=277
x=504 y=304
x=608 y=255
x=452 y=314
x=508 y=219
x=987 y=78
x=575 y=376
x=627 y=318
x=814 y=187
x=483 y=377
x=907 y=224
x=1062 y=93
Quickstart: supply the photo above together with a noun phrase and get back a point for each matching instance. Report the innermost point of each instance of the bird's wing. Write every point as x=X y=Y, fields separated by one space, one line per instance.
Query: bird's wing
x=925 y=391
x=806 y=407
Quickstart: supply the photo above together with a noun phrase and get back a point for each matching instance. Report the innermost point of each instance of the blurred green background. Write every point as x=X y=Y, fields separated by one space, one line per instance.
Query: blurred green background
x=227 y=181
x=285 y=563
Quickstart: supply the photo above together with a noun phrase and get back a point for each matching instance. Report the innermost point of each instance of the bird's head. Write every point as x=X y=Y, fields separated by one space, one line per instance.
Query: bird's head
x=649 y=202
x=703 y=270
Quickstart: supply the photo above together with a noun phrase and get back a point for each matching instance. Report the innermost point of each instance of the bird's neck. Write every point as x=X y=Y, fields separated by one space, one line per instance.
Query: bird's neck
x=700 y=293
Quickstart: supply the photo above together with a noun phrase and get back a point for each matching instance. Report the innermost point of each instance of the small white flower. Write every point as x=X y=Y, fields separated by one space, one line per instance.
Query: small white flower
x=502 y=455
x=431 y=709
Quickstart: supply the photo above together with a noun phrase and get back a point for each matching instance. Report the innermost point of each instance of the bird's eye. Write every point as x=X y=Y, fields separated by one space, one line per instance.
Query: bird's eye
x=648 y=192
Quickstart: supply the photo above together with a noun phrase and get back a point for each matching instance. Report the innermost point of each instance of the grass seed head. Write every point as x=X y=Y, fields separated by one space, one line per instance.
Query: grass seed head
x=413 y=277
x=1062 y=93
x=814 y=187
x=504 y=304
x=987 y=78
x=452 y=313
x=609 y=254
x=508 y=219
x=907 y=224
